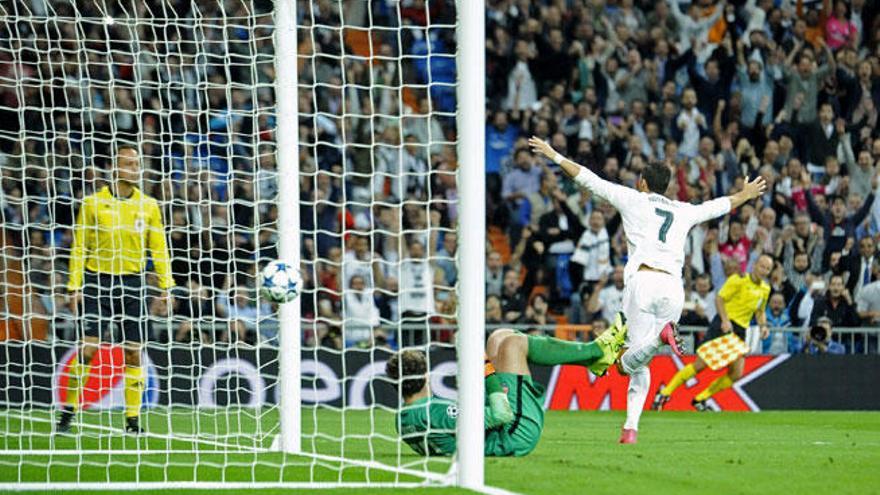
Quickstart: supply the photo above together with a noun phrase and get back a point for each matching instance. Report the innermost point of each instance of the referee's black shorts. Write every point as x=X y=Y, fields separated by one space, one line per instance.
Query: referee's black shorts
x=120 y=299
x=715 y=330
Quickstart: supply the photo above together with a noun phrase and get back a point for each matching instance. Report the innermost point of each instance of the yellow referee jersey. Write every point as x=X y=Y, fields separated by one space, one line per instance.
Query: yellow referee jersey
x=112 y=236
x=743 y=298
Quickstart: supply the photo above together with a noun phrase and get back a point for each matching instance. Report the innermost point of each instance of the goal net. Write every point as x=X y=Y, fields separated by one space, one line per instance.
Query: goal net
x=365 y=190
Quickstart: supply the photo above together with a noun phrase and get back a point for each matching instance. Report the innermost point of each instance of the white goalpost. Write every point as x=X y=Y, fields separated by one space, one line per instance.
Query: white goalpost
x=286 y=89
x=472 y=182
x=345 y=138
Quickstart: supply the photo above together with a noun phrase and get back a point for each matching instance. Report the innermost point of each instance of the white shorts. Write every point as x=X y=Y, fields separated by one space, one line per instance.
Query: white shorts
x=650 y=301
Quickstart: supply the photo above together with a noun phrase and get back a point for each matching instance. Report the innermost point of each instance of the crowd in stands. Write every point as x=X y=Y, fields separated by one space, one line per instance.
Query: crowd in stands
x=715 y=90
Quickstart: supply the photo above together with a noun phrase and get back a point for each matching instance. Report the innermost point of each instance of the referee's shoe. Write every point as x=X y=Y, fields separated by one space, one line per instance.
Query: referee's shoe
x=63 y=426
x=132 y=426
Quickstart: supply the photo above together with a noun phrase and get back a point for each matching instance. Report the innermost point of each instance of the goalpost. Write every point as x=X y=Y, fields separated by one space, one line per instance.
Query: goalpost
x=343 y=137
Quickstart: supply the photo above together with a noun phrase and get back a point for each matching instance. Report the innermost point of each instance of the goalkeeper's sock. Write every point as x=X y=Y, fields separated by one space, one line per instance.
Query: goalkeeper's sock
x=499 y=412
x=134 y=390
x=548 y=351
x=493 y=383
x=79 y=373
x=720 y=383
x=682 y=376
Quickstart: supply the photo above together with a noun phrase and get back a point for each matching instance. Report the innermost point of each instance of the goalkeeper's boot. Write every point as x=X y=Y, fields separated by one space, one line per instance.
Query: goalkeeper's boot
x=660 y=400
x=670 y=336
x=628 y=436
x=64 y=420
x=610 y=342
x=132 y=427
x=701 y=405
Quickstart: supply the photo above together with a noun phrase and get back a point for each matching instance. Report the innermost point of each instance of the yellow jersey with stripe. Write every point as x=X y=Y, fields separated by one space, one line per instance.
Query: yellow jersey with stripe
x=112 y=236
x=743 y=298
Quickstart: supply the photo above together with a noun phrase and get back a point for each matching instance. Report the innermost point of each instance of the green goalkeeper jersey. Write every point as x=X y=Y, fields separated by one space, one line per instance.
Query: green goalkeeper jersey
x=428 y=424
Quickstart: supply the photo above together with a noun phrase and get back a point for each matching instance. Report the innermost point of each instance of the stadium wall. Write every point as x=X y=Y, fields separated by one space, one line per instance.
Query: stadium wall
x=215 y=377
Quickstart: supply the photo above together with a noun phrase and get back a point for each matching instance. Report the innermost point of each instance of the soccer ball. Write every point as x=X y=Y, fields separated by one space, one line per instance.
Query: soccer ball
x=280 y=282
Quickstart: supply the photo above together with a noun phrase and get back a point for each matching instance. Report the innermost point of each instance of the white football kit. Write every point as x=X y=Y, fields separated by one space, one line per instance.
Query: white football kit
x=656 y=231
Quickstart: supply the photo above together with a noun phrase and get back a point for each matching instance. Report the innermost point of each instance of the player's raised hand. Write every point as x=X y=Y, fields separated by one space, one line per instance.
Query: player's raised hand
x=539 y=146
x=755 y=188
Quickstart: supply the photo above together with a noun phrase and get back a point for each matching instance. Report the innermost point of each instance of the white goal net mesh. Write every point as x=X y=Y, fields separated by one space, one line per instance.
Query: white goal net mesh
x=190 y=86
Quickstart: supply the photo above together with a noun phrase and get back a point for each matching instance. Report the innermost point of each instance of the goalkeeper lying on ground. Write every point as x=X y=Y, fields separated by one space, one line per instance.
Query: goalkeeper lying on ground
x=514 y=412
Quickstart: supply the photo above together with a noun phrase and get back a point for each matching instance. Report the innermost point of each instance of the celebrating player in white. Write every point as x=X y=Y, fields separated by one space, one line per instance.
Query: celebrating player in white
x=656 y=229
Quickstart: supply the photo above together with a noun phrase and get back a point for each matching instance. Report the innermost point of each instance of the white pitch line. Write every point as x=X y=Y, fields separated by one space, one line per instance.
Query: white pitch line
x=323 y=457
x=109 y=429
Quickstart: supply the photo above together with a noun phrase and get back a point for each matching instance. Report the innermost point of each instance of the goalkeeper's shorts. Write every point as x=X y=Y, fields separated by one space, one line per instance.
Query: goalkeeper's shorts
x=114 y=298
x=519 y=437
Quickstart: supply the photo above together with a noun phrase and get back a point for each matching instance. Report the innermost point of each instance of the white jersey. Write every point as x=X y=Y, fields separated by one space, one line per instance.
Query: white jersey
x=656 y=227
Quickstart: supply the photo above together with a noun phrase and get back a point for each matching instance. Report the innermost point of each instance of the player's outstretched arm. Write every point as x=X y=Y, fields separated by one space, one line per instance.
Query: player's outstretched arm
x=615 y=194
x=541 y=147
x=750 y=191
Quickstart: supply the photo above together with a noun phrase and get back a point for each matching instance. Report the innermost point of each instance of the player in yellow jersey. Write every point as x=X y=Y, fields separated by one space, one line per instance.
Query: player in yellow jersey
x=741 y=298
x=115 y=229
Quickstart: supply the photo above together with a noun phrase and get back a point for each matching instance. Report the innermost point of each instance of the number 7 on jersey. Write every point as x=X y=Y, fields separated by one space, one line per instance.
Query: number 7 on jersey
x=667 y=216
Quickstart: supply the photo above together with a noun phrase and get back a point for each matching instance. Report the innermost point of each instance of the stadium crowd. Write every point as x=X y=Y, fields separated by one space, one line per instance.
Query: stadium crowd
x=715 y=90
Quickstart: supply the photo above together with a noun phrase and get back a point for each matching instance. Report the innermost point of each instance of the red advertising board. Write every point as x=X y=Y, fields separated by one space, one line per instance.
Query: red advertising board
x=572 y=387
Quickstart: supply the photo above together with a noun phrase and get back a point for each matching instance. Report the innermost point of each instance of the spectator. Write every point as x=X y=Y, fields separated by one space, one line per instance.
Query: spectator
x=494 y=316
x=778 y=316
x=607 y=300
x=500 y=138
x=838 y=227
x=513 y=302
x=541 y=201
x=756 y=86
x=836 y=305
x=560 y=227
x=802 y=238
x=803 y=82
x=195 y=306
x=690 y=123
x=360 y=314
x=522 y=92
x=839 y=30
x=592 y=256
x=699 y=308
x=416 y=295
x=738 y=245
x=244 y=315
x=519 y=183
x=818 y=340
x=537 y=314
x=861 y=265
x=714 y=86
x=445 y=259
x=694 y=27
x=779 y=283
x=820 y=138
x=860 y=172
x=494 y=273
x=597 y=328
x=868 y=299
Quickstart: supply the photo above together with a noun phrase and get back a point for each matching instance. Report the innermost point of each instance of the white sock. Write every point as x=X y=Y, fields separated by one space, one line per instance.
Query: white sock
x=639 y=383
x=639 y=355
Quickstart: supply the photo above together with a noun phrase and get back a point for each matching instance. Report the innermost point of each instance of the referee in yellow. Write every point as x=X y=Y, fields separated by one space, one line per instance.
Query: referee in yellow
x=115 y=227
x=741 y=298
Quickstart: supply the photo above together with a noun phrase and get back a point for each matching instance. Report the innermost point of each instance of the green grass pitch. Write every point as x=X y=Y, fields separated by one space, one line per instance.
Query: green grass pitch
x=678 y=453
